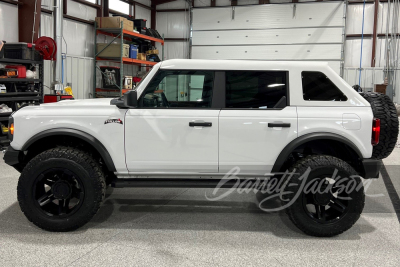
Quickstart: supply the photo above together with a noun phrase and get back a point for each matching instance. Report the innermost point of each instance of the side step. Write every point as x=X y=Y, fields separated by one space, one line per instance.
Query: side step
x=177 y=183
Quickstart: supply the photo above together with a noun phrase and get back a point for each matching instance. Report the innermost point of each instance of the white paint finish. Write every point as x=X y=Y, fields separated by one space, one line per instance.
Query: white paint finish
x=173 y=24
x=351 y=121
x=271 y=52
x=271 y=36
x=269 y=16
x=160 y=140
x=143 y=13
x=84 y=115
x=246 y=141
x=315 y=119
x=81 y=11
x=8 y=22
x=174 y=50
x=353 y=52
x=46 y=25
x=355 y=19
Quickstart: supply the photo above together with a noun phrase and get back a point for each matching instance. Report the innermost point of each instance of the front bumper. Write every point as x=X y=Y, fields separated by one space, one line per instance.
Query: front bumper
x=12 y=158
x=371 y=168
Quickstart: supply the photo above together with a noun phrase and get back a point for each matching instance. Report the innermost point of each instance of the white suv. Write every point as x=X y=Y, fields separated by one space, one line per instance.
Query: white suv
x=189 y=123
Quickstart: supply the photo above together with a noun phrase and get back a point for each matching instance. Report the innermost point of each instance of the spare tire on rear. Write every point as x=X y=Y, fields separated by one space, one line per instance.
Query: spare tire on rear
x=384 y=109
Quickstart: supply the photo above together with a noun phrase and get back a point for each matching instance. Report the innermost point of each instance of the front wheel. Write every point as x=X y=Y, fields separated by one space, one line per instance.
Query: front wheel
x=61 y=189
x=325 y=197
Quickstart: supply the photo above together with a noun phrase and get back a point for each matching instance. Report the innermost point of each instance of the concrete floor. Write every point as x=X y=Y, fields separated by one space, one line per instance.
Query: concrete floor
x=179 y=227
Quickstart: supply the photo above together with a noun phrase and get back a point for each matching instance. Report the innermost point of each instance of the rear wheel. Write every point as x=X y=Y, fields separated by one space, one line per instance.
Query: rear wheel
x=61 y=189
x=322 y=204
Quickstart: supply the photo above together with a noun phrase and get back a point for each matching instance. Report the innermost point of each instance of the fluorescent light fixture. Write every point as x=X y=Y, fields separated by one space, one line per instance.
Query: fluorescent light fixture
x=276 y=84
x=199 y=99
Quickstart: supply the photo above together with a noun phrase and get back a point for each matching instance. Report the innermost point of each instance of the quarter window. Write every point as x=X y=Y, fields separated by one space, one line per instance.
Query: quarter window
x=179 y=89
x=318 y=87
x=256 y=89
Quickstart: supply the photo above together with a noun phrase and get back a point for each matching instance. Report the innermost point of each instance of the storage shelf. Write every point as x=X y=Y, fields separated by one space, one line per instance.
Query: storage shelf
x=20 y=61
x=115 y=31
x=5 y=114
x=10 y=80
x=18 y=94
x=16 y=99
x=129 y=61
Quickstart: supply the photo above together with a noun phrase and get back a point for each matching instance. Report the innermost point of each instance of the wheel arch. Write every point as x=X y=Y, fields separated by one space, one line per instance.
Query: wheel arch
x=313 y=137
x=77 y=134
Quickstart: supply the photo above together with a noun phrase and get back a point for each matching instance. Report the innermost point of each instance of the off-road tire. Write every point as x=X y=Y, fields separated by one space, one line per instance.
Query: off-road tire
x=298 y=214
x=74 y=160
x=384 y=109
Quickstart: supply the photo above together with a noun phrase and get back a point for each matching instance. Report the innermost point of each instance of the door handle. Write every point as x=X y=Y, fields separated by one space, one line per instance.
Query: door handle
x=202 y=124
x=278 y=124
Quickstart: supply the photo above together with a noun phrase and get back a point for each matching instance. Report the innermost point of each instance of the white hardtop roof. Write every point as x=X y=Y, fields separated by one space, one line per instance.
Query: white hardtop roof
x=213 y=64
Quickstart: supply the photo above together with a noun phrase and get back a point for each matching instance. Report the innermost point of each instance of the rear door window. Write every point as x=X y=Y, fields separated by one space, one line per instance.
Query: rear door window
x=256 y=89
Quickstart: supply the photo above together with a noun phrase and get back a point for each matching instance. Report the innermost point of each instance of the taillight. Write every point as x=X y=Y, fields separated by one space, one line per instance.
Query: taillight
x=376 y=130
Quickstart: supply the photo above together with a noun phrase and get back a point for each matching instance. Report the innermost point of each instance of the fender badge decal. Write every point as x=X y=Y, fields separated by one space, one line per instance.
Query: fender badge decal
x=113 y=121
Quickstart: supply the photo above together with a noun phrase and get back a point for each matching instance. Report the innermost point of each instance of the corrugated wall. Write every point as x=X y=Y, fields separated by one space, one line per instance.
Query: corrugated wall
x=304 y=32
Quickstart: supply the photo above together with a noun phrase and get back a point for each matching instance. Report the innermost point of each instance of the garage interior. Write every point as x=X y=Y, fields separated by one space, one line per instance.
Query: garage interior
x=180 y=227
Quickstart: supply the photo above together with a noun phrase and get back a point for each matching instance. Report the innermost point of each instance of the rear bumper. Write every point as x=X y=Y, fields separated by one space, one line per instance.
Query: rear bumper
x=371 y=168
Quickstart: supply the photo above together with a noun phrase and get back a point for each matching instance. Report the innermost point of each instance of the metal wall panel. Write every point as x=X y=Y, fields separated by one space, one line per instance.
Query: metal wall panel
x=269 y=16
x=270 y=52
x=79 y=38
x=355 y=17
x=202 y=3
x=353 y=52
x=174 y=50
x=173 y=24
x=143 y=13
x=174 y=5
x=382 y=17
x=81 y=11
x=272 y=36
x=8 y=22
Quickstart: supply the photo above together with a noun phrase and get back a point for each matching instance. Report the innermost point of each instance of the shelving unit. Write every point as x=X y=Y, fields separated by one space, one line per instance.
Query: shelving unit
x=120 y=33
x=12 y=99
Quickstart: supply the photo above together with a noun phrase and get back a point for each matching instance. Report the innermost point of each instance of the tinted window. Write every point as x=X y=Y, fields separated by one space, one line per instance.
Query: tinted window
x=318 y=87
x=255 y=89
x=179 y=89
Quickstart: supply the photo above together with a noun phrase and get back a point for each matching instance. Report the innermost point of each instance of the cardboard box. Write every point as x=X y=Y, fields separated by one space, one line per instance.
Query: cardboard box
x=141 y=56
x=154 y=51
x=113 y=50
x=114 y=22
x=127 y=82
x=380 y=88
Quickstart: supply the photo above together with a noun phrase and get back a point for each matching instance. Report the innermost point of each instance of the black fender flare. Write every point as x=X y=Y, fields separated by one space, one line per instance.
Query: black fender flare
x=75 y=133
x=307 y=138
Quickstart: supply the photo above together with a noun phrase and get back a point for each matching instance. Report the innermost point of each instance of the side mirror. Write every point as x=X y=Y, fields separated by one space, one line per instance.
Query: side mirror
x=130 y=99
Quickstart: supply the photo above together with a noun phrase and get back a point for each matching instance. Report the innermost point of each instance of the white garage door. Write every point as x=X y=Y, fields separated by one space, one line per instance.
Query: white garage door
x=301 y=32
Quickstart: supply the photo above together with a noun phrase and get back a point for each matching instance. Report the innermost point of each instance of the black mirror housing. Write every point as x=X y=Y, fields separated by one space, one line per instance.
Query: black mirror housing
x=130 y=99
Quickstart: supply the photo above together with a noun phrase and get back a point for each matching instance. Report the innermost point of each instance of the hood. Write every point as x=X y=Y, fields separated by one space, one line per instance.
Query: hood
x=80 y=102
